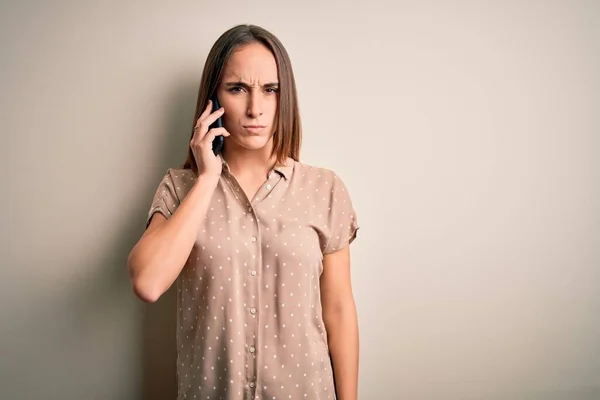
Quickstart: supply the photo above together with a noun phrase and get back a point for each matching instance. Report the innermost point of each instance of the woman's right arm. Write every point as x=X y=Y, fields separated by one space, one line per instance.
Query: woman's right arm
x=161 y=253
x=159 y=256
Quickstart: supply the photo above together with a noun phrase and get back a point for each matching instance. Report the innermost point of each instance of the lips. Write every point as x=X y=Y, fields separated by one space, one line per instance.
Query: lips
x=254 y=128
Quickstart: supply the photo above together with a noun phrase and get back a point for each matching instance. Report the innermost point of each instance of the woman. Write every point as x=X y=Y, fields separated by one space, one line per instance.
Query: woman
x=257 y=241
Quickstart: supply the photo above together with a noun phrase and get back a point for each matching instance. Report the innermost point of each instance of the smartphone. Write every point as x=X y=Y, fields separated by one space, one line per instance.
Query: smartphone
x=217 y=144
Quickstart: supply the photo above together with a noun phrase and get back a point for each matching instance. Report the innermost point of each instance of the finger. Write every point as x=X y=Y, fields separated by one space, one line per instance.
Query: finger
x=196 y=136
x=212 y=117
x=204 y=123
x=205 y=112
x=213 y=133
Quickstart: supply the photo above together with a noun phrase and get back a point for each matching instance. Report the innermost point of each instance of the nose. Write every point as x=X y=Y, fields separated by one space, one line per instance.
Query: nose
x=255 y=104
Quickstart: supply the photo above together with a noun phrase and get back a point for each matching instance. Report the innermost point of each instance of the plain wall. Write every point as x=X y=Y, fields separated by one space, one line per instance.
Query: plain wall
x=468 y=134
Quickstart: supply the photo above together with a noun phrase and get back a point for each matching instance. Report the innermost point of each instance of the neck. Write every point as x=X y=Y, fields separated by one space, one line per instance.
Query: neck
x=249 y=163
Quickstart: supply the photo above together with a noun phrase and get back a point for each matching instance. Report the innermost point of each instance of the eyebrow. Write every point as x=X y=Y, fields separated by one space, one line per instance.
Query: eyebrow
x=245 y=85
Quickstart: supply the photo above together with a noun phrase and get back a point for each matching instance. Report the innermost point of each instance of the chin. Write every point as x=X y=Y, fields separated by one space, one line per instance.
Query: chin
x=253 y=142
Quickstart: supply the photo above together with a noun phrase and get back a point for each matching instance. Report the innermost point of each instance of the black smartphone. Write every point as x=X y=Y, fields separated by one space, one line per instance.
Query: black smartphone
x=217 y=144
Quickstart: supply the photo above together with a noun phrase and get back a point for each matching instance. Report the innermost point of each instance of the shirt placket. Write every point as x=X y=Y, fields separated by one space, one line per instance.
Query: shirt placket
x=253 y=270
x=251 y=291
x=253 y=303
x=256 y=272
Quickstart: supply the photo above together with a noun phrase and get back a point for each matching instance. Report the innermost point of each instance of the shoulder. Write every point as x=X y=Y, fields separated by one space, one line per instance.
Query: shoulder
x=178 y=176
x=315 y=173
x=319 y=177
x=179 y=173
x=176 y=183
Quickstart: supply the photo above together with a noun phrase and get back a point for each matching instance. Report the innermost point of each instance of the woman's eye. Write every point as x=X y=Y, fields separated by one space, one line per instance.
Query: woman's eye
x=239 y=89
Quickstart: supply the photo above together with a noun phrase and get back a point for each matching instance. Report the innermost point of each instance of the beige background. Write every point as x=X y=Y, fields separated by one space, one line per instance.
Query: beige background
x=467 y=132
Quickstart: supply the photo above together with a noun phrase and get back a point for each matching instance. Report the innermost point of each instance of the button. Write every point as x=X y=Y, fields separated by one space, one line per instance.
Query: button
x=252 y=384
x=253 y=273
x=252 y=349
x=253 y=310
x=249 y=209
x=253 y=239
x=269 y=187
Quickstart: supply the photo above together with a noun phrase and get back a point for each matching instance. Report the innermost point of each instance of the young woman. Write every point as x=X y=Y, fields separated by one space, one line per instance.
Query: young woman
x=257 y=241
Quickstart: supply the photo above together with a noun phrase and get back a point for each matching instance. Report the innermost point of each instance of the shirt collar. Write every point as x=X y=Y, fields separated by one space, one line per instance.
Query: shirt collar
x=284 y=170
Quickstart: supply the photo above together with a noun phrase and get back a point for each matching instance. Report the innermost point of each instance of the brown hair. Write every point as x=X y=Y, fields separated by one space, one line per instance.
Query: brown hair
x=288 y=131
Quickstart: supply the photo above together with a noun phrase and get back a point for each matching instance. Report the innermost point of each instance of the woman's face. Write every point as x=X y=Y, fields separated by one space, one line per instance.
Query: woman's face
x=249 y=94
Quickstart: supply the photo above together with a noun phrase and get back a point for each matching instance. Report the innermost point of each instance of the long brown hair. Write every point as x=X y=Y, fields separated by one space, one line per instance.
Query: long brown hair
x=288 y=133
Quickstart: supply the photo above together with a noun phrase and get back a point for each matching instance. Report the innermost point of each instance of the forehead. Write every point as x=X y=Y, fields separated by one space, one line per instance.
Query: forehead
x=252 y=63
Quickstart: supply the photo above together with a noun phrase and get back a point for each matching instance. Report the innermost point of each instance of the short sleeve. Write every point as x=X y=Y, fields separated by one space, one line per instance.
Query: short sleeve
x=165 y=198
x=342 y=224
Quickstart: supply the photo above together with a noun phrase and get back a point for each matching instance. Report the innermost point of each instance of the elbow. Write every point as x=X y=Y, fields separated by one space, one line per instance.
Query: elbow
x=143 y=288
x=339 y=311
x=144 y=293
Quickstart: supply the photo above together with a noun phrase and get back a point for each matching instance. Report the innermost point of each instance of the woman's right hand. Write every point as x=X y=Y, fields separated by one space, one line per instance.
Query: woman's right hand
x=201 y=143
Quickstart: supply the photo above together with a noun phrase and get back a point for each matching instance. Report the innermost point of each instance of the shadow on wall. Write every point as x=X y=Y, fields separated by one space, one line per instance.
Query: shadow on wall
x=159 y=355
x=158 y=351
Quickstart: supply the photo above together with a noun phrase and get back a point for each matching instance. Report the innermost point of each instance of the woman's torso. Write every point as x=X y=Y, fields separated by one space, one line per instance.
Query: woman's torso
x=249 y=312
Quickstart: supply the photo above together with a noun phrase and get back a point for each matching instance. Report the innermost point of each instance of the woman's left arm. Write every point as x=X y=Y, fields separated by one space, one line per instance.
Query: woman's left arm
x=341 y=322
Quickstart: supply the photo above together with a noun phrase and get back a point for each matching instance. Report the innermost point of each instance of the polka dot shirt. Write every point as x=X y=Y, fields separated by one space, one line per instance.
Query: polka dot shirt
x=249 y=318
